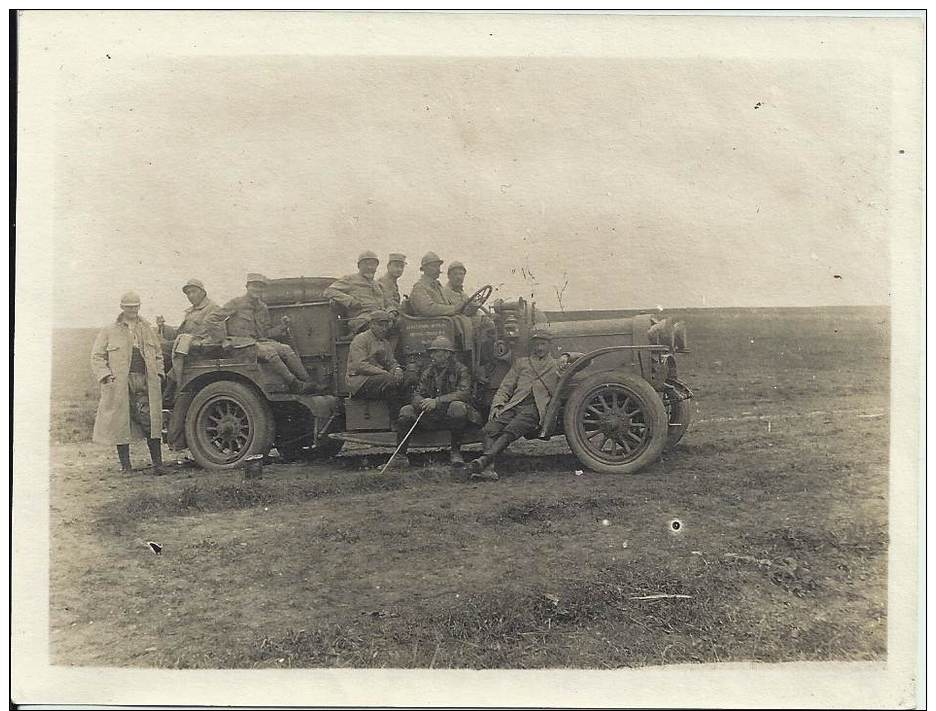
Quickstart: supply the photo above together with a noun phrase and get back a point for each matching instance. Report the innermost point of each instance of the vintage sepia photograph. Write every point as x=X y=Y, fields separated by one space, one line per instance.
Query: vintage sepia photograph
x=375 y=344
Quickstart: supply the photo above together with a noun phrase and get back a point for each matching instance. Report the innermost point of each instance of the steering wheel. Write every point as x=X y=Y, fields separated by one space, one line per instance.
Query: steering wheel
x=478 y=298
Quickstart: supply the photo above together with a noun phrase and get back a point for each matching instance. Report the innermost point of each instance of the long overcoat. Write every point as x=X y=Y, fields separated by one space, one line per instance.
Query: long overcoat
x=111 y=356
x=537 y=375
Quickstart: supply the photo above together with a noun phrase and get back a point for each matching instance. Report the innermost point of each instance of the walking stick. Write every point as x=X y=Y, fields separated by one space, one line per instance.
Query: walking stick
x=403 y=441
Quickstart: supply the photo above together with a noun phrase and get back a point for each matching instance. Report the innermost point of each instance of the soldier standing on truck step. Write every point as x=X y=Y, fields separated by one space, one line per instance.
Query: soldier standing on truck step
x=246 y=320
x=192 y=332
x=360 y=294
x=127 y=361
x=520 y=403
x=444 y=396
x=389 y=282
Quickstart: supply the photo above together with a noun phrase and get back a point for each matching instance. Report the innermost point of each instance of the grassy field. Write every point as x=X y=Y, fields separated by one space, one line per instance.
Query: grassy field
x=780 y=487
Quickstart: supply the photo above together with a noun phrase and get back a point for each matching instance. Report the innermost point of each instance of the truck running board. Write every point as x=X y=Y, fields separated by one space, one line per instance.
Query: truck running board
x=437 y=439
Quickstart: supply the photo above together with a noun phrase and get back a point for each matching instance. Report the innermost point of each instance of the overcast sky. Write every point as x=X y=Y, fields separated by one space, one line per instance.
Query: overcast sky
x=637 y=182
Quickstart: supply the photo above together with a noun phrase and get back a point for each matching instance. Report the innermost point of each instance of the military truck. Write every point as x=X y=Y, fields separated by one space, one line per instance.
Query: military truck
x=619 y=403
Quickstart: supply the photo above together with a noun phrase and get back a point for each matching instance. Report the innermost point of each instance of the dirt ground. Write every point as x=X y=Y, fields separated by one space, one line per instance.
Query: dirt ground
x=779 y=488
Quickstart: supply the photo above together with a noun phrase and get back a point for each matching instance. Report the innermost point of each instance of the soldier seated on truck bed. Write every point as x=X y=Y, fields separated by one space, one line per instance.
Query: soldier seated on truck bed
x=373 y=371
x=443 y=395
x=360 y=294
x=246 y=321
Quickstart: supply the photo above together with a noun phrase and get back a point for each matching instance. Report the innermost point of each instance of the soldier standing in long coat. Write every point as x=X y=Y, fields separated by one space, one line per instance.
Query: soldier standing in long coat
x=127 y=361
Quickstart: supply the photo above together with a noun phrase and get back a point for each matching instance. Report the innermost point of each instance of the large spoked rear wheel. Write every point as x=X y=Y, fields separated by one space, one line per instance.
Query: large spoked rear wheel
x=615 y=423
x=226 y=423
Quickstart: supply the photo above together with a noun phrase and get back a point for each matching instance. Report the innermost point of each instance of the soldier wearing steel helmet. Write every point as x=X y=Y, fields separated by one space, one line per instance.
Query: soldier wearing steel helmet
x=127 y=361
x=194 y=320
x=360 y=294
x=443 y=395
x=246 y=321
x=177 y=343
x=427 y=297
x=454 y=290
x=194 y=329
x=520 y=403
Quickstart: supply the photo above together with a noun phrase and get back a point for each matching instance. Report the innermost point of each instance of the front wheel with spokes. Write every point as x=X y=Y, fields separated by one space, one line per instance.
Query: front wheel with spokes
x=615 y=423
x=226 y=423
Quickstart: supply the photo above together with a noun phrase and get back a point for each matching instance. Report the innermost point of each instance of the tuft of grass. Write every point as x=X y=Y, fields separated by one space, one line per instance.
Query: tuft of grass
x=71 y=421
x=212 y=497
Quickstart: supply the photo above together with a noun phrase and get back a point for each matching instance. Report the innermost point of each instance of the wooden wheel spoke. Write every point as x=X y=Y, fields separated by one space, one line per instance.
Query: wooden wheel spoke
x=624 y=445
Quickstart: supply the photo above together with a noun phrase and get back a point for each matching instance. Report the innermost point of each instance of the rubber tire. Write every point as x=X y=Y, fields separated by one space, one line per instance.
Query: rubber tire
x=654 y=415
x=680 y=412
x=258 y=412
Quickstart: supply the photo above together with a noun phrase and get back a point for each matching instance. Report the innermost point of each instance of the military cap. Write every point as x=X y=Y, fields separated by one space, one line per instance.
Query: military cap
x=429 y=258
x=441 y=343
x=379 y=315
x=131 y=298
x=197 y=283
x=541 y=333
x=259 y=278
x=396 y=257
x=367 y=254
x=456 y=265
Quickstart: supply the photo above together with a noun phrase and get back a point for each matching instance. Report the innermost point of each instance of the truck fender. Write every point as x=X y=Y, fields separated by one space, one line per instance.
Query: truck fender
x=565 y=378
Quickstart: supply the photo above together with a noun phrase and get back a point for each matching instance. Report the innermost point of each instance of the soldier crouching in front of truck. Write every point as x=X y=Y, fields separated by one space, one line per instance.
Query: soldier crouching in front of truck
x=519 y=404
x=443 y=397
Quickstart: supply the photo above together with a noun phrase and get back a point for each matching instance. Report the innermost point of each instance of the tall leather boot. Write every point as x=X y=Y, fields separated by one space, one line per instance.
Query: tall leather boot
x=155 y=448
x=123 y=454
x=293 y=384
x=483 y=466
x=294 y=363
